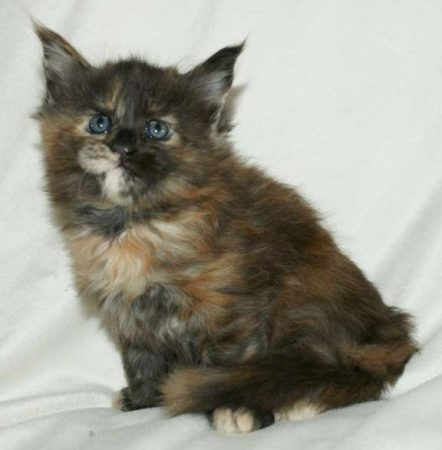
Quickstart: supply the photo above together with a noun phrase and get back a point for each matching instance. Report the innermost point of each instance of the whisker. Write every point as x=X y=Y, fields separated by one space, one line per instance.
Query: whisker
x=79 y=185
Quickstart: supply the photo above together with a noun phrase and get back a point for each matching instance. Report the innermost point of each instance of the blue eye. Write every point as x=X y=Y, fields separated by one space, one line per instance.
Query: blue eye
x=157 y=129
x=100 y=124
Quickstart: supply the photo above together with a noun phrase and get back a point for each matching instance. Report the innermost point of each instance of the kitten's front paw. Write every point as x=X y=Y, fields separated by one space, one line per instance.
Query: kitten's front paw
x=121 y=400
x=239 y=420
x=125 y=401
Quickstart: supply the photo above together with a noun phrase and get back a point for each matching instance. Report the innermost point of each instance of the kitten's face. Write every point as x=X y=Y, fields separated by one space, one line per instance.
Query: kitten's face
x=124 y=132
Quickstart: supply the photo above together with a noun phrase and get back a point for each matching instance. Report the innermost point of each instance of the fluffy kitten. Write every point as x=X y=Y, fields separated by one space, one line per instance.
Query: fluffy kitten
x=221 y=287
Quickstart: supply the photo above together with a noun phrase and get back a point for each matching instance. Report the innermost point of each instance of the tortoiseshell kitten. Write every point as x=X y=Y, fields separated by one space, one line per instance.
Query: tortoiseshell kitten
x=224 y=292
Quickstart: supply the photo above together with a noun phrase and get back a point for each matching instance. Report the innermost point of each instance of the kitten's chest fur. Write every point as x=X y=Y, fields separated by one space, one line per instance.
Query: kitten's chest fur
x=130 y=269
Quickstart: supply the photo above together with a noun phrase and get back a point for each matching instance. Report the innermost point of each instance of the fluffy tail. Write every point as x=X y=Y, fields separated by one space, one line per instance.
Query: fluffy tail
x=361 y=373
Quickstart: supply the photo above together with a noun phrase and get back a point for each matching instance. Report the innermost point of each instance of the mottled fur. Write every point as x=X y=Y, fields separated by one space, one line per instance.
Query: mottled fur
x=223 y=290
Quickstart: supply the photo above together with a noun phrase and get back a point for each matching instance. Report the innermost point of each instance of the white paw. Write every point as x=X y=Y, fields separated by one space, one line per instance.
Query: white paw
x=301 y=410
x=230 y=421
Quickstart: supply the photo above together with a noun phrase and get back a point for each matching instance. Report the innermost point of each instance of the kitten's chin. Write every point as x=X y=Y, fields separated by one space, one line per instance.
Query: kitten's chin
x=117 y=185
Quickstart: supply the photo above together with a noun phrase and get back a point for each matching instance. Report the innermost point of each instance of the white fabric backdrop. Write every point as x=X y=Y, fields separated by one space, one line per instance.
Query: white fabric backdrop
x=341 y=98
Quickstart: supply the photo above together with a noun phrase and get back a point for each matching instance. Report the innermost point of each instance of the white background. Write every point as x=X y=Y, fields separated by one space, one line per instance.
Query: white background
x=342 y=99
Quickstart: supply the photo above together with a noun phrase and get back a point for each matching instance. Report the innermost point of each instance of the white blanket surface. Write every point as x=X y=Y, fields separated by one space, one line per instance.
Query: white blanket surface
x=342 y=99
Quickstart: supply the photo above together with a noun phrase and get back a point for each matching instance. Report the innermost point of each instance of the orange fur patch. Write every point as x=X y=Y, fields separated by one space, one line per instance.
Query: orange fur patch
x=128 y=263
x=112 y=266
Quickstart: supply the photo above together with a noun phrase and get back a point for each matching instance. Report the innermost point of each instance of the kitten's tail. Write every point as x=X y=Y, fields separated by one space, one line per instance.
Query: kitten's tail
x=360 y=374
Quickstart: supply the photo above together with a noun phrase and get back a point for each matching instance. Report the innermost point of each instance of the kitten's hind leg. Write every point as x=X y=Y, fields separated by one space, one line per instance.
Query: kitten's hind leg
x=231 y=420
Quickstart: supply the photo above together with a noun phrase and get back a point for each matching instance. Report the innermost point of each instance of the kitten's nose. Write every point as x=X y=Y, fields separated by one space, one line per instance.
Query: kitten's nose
x=124 y=143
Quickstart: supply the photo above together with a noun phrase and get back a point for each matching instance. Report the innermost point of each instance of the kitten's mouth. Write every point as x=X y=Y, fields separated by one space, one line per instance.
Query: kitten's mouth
x=123 y=164
x=119 y=178
x=102 y=162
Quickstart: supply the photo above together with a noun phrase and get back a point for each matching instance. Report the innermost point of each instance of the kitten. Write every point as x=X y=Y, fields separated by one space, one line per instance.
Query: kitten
x=223 y=290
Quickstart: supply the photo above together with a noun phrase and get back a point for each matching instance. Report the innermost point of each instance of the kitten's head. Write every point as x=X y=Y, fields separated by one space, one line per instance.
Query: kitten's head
x=128 y=132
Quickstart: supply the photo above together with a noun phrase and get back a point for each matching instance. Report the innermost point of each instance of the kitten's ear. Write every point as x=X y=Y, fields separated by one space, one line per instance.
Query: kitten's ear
x=213 y=78
x=60 y=59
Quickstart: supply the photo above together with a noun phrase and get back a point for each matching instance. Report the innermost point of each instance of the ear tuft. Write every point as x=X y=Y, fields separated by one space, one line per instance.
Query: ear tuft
x=213 y=78
x=59 y=58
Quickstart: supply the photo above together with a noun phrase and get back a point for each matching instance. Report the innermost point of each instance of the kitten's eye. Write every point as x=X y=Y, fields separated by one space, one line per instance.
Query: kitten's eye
x=99 y=124
x=157 y=129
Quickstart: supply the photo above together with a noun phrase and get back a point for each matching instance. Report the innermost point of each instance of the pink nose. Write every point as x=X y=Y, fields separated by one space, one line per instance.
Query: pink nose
x=124 y=150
